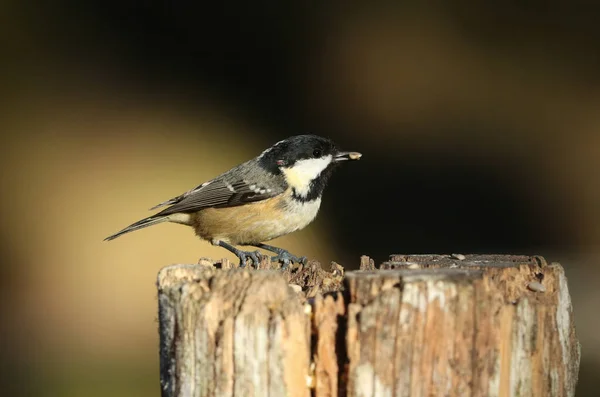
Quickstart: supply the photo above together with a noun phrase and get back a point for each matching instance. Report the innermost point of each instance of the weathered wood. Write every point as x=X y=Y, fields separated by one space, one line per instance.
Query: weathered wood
x=231 y=333
x=425 y=325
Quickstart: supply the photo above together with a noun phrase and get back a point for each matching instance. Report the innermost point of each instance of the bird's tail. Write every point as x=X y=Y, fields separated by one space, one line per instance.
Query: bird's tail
x=152 y=220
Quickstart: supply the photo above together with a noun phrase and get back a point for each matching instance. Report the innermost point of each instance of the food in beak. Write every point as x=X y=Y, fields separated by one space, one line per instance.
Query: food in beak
x=341 y=156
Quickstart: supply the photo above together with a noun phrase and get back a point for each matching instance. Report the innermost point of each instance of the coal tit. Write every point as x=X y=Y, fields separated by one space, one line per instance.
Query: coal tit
x=272 y=195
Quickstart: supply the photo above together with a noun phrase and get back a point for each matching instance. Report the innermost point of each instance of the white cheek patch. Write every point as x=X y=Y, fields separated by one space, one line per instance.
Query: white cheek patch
x=302 y=173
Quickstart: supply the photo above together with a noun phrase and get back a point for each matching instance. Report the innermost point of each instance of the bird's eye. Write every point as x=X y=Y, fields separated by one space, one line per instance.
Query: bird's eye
x=317 y=153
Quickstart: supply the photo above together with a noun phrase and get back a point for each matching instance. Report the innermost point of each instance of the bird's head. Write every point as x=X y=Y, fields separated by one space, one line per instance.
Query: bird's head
x=306 y=162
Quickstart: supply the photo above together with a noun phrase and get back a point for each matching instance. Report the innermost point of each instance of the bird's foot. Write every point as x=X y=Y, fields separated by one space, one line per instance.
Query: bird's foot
x=286 y=258
x=282 y=256
x=254 y=256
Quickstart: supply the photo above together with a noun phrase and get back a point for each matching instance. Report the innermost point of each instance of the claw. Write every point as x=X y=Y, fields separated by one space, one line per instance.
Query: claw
x=255 y=256
x=284 y=261
x=286 y=258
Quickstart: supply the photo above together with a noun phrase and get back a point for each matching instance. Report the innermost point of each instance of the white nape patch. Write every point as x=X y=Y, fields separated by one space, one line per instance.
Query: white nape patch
x=230 y=187
x=269 y=149
x=303 y=172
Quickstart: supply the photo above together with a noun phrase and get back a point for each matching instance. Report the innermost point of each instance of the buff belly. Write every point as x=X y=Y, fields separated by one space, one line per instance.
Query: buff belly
x=256 y=222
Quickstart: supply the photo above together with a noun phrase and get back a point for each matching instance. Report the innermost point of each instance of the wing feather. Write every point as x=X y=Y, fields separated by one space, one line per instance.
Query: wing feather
x=220 y=193
x=180 y=197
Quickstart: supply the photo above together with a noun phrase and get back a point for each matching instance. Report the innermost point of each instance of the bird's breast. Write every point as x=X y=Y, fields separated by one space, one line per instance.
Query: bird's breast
x=256 y=222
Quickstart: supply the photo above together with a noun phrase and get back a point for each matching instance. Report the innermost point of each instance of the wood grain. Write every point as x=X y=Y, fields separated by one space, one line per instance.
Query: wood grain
x=419 y=325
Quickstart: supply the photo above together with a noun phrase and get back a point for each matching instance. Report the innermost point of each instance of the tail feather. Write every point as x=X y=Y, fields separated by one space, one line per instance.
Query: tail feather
x=152 y=220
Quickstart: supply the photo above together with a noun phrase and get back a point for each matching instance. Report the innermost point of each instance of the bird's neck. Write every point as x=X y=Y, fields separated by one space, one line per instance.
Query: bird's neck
x=309 y=189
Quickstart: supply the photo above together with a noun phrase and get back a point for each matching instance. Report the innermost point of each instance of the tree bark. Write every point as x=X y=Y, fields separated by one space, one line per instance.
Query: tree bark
x=420 y=325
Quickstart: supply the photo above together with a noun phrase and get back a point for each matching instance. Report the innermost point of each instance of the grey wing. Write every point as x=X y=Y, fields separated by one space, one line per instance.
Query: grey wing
x=222 y=193
x=180 y=197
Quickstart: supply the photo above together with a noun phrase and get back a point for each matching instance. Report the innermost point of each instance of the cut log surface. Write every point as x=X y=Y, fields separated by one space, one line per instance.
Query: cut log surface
x=420 y=325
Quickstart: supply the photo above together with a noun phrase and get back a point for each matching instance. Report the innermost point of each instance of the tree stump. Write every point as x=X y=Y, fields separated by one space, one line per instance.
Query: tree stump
x=420 y=325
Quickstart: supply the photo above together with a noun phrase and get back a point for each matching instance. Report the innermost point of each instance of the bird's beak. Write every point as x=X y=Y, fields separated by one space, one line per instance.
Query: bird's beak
x=342 y=156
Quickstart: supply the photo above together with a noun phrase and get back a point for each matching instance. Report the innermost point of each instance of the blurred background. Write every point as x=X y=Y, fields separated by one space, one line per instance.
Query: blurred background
x=478 y=123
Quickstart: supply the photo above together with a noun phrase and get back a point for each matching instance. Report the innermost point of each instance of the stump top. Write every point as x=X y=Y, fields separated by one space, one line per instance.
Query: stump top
x=399 y=261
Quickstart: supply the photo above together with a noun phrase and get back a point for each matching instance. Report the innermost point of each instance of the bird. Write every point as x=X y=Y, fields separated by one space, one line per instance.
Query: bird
x=274 y=194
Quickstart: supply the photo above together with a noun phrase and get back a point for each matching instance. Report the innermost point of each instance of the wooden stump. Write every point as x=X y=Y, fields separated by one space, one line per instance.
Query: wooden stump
x=421 y=325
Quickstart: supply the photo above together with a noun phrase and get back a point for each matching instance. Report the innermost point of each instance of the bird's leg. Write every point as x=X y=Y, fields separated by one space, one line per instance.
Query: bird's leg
x=282 y=256
x=243 y=255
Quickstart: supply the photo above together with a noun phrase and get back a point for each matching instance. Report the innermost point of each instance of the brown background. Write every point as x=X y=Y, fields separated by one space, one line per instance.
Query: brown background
x=479 y=125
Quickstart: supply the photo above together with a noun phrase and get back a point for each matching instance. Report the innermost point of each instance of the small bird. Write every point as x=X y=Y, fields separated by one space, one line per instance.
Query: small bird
x=272 y=195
